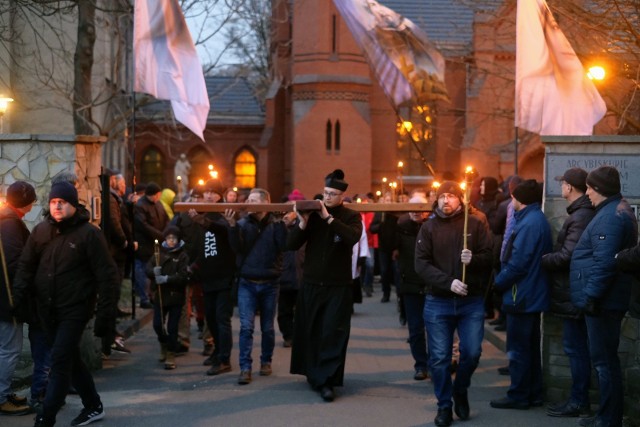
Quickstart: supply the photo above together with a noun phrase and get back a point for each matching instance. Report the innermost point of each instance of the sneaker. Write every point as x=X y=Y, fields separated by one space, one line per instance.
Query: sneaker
x=219 y=368
x=118 y=345
x=265 y=369
x=10 y=408
x=245 y=377
x=88 y=415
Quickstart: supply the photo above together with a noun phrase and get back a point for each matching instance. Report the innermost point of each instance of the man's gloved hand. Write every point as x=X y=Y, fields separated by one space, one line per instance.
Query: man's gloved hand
x=101 y=326
x=465 y=256
x=157 y=271
x=591 y=308
x=161 y=280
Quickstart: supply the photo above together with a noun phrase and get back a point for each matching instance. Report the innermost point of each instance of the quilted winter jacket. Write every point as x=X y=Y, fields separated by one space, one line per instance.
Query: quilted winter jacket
x=522 y=278
x=594 y=271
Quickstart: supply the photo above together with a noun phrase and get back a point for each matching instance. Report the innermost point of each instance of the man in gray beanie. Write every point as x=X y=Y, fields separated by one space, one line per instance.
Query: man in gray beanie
x=600 y=290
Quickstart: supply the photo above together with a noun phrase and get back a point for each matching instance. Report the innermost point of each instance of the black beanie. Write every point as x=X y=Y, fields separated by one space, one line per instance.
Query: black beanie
x=528 y=192
x=171 y=229
x=66 y=191
x=336 y=180
x=152 y=189
x=21 y=194
x=450 y=187
x=605 y=180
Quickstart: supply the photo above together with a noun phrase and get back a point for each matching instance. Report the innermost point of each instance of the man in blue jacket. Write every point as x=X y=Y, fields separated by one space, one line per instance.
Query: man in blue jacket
x=601 y=291
x=525 y=296
x=263 y=238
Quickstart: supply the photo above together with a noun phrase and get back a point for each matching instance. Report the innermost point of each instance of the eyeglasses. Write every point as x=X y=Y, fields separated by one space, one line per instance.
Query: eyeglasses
x=331 y=194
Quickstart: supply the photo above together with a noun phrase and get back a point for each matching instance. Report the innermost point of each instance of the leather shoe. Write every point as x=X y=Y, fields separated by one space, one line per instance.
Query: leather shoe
x=219 y=368
x=568 y=409
x=503 y=370
x=461 y=404
x=506 y=403
x=444 y=417
x=496 y=322
x=326 y=392
x=420 y=375
x=592 y=422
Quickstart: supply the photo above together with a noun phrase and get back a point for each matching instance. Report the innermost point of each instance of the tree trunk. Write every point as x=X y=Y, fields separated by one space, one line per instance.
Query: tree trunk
x=83 y=64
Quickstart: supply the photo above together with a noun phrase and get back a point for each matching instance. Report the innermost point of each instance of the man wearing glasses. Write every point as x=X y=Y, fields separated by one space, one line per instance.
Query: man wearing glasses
x=323 y=315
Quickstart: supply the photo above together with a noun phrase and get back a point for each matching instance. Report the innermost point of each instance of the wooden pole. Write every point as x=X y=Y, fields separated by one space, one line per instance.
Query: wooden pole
x=468 y=178
x=302 y=205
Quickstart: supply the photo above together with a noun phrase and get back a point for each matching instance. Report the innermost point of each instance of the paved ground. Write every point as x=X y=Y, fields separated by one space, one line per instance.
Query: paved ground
x=379 y=389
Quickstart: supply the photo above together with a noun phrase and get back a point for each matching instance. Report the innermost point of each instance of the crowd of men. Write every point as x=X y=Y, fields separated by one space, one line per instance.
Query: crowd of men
x=304 y=268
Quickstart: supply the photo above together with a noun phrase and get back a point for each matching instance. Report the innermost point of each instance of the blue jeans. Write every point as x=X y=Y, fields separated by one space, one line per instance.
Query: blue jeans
x=10 y=349
x=67 y=368
x=254 y=296
x=523 y=351
x=576 y=345
x=604 y=338
x=414 y=307
x=169 y=335
x=218 y=308
x=41 y=355
x=140 y=280
x=442 y=316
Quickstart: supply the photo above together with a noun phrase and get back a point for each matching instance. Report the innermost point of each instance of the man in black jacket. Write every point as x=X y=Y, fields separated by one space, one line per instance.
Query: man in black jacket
x=66 y=264
x=412 y=287
x=574 y=336
x=14 y=234
x=452 y=304
x=323 y=314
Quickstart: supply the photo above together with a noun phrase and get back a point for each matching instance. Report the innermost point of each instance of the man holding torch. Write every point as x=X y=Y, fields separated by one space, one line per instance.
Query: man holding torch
x=453 y=256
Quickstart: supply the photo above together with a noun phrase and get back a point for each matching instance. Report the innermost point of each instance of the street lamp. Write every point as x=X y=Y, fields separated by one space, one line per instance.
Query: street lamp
x=400 y=166
x=4 y=104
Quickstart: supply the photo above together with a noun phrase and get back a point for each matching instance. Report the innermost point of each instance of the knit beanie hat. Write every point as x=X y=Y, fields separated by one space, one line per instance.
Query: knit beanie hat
x=65 y=191
x=336 y=180
x=152 y=189
x=528 y=192
x=605 y=180
x=21 y=194
x=450 y=187
x=171 y=230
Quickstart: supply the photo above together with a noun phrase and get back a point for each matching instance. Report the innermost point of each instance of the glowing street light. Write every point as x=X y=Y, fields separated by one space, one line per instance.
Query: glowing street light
x=596 y=73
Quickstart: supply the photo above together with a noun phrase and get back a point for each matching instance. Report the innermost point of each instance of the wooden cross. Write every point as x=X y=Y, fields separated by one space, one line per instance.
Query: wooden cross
x=301 y=205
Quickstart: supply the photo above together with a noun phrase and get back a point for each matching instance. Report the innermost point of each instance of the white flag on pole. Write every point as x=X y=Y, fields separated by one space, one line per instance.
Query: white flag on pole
x=166 y=63
x=554 y=96
x=408 y=67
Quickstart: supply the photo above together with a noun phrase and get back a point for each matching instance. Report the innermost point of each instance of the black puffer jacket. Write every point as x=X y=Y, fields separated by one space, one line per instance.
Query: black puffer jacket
x=67 y=263
x=406 y=236
x=14 y=236
x=175 y=264
x=557 y=263
x=150 y=220
x=438 y=250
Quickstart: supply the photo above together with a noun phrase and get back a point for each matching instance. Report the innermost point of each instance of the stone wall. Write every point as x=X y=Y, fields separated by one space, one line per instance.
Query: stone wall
x=590 y=152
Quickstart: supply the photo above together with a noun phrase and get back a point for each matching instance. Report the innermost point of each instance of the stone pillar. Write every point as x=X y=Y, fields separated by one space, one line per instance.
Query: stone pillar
x=591 y=152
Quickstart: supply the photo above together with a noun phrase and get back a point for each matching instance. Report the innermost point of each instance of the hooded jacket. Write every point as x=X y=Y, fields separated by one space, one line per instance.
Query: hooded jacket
x=67 y=265
x=557 y=263
x=175 y=264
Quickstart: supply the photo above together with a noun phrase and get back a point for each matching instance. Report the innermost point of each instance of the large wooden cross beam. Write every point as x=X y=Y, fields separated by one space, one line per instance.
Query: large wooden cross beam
x=301 y=205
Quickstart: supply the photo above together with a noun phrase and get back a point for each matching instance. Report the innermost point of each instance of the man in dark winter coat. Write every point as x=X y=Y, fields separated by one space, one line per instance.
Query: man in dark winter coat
x=525 y=290
x=384 y=225
x=263 y=237
x=412 y=287
x=574 y=336
x=323 y=313
x=150 y=219
x=215 y=267
x=14 y=234
x=66 y=264
x=601 y=291
x=452 y=304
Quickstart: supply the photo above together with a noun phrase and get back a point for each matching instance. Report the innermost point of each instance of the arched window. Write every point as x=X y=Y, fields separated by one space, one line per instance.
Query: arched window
x=200 y=160
x=245 y=169
x=151 y=167
x=336 y=144
x=328 y=132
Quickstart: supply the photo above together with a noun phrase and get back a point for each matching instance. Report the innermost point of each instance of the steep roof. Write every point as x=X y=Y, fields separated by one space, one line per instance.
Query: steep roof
x=448 y=23
x=231 y=103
